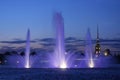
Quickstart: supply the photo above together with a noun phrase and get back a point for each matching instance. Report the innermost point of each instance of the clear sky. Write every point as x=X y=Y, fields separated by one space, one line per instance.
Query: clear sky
x=18 y=15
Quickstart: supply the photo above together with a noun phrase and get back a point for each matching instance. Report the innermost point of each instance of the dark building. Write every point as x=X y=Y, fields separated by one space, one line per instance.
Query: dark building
x=97 y=46
x=107 y=52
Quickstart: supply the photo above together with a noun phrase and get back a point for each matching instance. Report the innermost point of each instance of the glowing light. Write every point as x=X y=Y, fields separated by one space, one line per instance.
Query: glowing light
x=27 y=66
x=63 y=65
x=106 y=54
x=91 y=64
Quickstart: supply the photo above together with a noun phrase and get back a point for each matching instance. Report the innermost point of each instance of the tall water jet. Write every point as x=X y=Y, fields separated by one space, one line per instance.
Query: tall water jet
x=27 y=52
x=88 y=50
x=60 y=61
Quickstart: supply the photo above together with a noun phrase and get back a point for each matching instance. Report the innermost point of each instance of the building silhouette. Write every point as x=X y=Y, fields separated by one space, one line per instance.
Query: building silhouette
x=97 y=46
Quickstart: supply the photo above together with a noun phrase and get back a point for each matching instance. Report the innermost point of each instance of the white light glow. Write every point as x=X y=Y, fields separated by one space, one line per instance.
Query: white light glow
x=106 y=54
x=91 y=64
x=27 y=66
x=63 y=65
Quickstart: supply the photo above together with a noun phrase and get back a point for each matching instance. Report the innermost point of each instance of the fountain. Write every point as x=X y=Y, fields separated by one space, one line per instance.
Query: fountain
x=27 y=53
x=59 y=60
x=88 y=50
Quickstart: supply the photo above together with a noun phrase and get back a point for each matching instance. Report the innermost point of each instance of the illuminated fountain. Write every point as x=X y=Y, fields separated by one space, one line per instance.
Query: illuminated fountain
x=88 y=50
x=27 y=53
x=59 y=60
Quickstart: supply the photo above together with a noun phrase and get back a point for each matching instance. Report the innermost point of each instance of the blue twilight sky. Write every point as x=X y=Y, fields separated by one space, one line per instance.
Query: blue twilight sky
x=16 y=16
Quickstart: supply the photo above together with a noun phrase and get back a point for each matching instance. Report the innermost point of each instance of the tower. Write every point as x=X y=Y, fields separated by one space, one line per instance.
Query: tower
x=97 y=46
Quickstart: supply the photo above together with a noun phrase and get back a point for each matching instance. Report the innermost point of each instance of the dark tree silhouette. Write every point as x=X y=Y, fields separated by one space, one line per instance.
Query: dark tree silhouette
x=33 y=53
x=14 y=52
x=2 y=58
x=7 y=53
x=22 y=53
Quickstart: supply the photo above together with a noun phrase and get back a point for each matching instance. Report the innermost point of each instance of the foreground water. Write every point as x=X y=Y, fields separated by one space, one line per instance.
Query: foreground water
x=60 y=74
